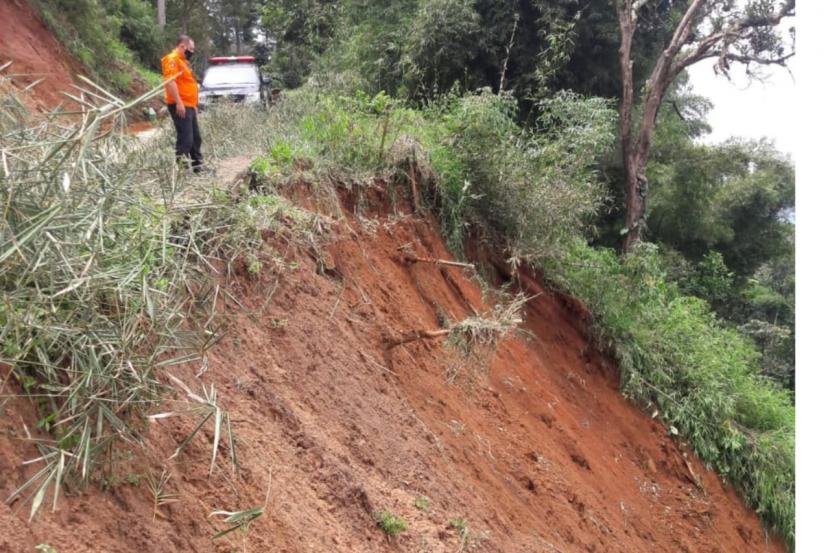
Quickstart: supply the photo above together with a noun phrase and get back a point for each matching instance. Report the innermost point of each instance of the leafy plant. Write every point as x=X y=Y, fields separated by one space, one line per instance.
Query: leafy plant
x=207 y=407
x=390 y=524
x=158 y=491
x=702 y=377
x=458 y=523
x=422 y=503
x=86 y=234
x=237 y=520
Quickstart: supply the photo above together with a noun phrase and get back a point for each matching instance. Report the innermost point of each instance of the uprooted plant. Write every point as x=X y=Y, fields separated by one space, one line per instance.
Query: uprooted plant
x=207 y=407
x=472 y=333
x=159 y=493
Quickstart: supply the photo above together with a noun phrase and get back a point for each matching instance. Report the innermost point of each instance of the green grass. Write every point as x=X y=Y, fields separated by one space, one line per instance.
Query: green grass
x=390 y=524
x=422 y=503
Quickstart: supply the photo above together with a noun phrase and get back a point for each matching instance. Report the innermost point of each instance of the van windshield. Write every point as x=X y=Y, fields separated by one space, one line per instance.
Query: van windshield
x=236 y=74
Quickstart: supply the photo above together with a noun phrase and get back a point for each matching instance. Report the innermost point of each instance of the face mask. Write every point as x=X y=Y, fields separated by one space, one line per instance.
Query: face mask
x=188 y=54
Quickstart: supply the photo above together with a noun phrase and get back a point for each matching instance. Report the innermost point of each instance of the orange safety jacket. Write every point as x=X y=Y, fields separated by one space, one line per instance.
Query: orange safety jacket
x=174 y=65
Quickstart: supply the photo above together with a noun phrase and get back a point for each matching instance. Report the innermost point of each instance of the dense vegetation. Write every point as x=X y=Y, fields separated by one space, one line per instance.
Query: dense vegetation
x=509 y=109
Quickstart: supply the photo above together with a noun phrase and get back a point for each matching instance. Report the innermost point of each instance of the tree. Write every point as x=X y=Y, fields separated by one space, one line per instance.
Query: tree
x=296 y=33
x=233 y=23
x=443 y=40
x=705 y=29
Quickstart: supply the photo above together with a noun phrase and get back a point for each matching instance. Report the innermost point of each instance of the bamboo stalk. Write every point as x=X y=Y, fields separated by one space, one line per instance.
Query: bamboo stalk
x=411 y=259
x=416 y=335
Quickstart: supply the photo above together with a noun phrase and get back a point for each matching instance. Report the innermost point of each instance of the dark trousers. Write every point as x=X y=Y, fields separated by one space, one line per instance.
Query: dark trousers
x=188 y=139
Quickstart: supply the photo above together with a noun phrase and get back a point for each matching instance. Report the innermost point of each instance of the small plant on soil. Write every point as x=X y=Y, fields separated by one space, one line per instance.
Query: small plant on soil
x=468 y=540
x=207 y=407
x=133 y=479
x=158 y=490
x=240 y=521
x=391 y=525
x=458 y=523
x=422 y=504
x=237 y=520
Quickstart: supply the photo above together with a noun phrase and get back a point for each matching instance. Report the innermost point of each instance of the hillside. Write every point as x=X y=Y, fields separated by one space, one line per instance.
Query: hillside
x=419 y=320
x=36 y=55
x=534 y=448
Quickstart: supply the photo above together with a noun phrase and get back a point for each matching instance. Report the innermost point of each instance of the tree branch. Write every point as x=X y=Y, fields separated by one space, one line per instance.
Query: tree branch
x=763 y=61
x=707 y=47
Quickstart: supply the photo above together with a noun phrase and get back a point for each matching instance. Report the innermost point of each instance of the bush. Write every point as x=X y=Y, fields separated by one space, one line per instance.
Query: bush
x=535 y=188
x=137 y=29
x=391 y=525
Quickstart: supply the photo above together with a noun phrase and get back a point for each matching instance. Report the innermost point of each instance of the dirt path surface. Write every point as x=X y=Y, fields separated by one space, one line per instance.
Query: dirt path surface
x=35 y=53
x=535 y=450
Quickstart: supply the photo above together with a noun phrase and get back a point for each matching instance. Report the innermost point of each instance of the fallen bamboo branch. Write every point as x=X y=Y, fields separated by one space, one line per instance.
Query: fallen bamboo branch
x=416 y=335
x=473 y=332
x=411 y=259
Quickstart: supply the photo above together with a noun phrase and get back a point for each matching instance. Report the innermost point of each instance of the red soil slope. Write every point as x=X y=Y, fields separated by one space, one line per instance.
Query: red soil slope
x=536 y=451
x=35 y=54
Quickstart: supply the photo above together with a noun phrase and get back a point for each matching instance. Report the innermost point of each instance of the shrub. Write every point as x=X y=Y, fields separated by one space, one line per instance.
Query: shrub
x=391 y=525
x=534 y=188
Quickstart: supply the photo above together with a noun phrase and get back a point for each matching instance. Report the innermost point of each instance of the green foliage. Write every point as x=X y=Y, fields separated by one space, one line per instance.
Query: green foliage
x=729 y=198
x=137 y=29
x=442 y=42
x=422 y=504
x=533 y=187
x=299 y=32
x=733 y=201
x=100 y=33
x=233 y=23
x=458 y=523
x=237 y=521
x=702 y=377
x=710 y=280
x=419 y=49
x=391 y=525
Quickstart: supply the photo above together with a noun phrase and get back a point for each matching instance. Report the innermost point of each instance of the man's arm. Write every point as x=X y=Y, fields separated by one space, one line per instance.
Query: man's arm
x=173 y=90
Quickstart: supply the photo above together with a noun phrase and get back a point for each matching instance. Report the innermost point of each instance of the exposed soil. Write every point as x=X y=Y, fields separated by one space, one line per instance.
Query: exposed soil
x=532 y=446
x=36 y=53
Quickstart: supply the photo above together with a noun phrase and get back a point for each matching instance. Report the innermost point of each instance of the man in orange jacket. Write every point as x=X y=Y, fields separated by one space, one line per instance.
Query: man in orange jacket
x=182 y=97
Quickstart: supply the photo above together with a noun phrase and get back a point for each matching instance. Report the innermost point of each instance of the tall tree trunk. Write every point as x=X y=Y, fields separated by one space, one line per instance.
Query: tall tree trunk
x=162 y=13
x=636 y=153
x=634 y=202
